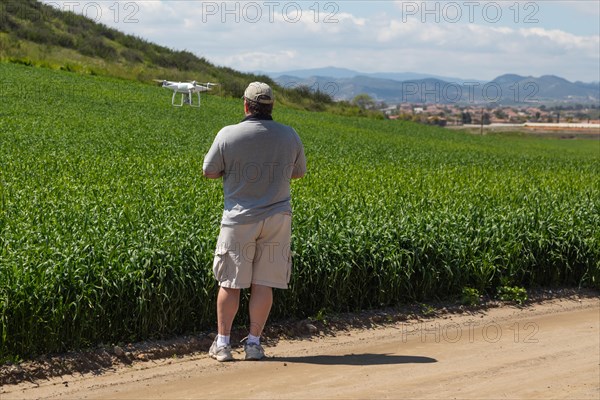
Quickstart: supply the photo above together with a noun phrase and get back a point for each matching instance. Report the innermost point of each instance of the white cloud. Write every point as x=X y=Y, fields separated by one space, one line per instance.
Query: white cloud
x=479 y=51
x=563 y=40
x=258 y=60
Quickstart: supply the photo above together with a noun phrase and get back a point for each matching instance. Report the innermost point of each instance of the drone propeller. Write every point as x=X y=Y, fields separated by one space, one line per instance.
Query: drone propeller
x=207 y=85
x=196 y=83
x=161 y=81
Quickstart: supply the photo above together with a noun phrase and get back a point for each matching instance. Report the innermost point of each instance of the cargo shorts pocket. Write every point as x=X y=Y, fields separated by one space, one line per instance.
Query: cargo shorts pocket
x=224 y=266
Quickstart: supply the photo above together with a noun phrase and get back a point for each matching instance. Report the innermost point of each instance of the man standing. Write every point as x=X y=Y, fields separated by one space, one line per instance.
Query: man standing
x=257 y=158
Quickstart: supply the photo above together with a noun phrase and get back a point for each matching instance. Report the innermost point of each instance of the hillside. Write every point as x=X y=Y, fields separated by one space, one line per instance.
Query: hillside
x=47 y=36
x=33 y=33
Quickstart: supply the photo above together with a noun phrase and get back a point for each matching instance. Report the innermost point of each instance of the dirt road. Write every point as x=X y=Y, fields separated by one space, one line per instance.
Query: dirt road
x=545 y=351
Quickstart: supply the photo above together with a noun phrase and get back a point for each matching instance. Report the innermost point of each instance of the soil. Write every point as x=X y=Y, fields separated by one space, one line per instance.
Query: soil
x=547 y=348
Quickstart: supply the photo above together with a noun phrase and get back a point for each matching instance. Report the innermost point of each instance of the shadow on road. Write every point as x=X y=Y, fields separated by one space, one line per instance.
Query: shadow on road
x=356 y=359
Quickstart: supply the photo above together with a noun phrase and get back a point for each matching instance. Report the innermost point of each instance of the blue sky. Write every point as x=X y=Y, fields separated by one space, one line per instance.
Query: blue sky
x=469 y=39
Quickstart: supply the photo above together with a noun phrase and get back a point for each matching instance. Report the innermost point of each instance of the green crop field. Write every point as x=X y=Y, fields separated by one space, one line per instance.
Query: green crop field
x=107 y=227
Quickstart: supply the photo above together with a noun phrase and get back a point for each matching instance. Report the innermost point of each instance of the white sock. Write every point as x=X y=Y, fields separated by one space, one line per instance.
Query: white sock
x=222 y=340
x=253 y=339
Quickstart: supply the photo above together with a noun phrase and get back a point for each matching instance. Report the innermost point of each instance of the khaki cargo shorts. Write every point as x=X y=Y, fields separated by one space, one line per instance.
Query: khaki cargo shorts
x=257 y=253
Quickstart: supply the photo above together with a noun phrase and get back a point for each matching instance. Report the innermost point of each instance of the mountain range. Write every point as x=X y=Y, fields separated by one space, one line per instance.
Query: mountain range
x=345 y=73
x=410 y=87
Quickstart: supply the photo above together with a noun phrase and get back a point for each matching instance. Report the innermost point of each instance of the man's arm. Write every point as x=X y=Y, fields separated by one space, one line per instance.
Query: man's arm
x=300 y=164
x=213 y=166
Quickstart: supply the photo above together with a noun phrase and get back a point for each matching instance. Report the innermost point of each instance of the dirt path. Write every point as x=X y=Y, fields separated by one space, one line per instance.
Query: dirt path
x=549 y=350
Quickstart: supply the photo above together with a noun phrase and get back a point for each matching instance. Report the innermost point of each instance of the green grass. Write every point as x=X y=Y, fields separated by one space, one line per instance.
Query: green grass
x=107 y=228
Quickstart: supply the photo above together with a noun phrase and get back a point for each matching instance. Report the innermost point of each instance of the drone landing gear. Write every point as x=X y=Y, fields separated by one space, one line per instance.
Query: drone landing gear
x=186 y=98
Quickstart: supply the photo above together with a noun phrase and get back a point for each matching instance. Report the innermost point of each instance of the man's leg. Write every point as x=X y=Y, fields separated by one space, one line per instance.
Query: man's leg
x=228 y=301
x=261 y=299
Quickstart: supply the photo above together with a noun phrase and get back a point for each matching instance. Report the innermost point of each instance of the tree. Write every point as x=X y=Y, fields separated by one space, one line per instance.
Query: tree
x=500 y=114
x=486 y=119
x=363 y=101
x=466 y=118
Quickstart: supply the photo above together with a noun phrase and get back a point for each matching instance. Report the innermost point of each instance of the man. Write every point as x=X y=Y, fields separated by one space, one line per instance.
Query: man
x=257 y=158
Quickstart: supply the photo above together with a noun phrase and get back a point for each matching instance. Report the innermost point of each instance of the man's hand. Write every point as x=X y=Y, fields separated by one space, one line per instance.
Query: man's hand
x=212 y=175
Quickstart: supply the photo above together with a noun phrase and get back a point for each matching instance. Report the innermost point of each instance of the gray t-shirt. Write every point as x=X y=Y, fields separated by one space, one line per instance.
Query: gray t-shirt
x=257 y=158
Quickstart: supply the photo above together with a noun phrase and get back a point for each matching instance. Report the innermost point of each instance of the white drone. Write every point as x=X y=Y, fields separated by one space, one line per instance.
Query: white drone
x=187 y=89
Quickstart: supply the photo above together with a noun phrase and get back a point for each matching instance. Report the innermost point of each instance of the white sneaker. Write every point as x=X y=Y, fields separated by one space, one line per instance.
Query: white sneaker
x=254 y=351
x=221 y=353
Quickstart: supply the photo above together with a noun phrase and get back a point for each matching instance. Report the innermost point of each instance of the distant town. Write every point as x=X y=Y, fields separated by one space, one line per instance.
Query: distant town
x=454 y=114
x=508 y=99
